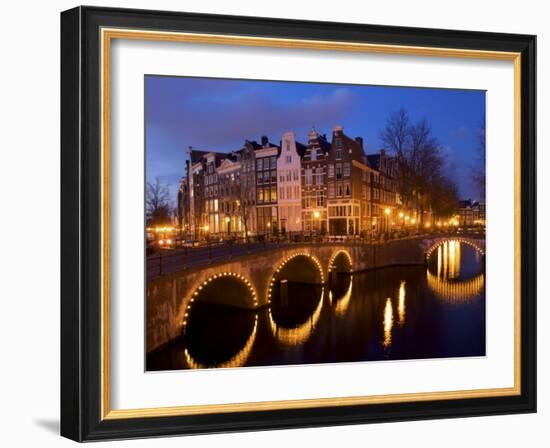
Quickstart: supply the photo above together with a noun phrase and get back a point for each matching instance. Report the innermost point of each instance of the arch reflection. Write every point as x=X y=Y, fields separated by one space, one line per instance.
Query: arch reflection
x=340 y=294
x=455 y=292
x=448 y=283
x=296 y=335
x=237 y=360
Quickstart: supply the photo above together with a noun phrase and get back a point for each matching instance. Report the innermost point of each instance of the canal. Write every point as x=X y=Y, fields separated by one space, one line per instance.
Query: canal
x=413 y=312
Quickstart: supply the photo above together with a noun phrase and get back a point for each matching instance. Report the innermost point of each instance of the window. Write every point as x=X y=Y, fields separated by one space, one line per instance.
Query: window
x=340 y=189
x=338 y=171
x=273 y=194
x=266 y=177
x=320 y=199
x=288 y=146
x=260 y=195
x=289 y=192
x=308 y=174
x=282 y=193
x=259 y=164
x=273 y=177
x=288 y=159
x=331 y=170
x=296 y=174
x=313 y=154
x=319 y=176
x=347 y=169
x=338 y=154
x=273 y=162
x=331 y=190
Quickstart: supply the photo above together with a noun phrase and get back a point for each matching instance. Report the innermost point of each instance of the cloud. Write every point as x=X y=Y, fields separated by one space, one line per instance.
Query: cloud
x=209 y=120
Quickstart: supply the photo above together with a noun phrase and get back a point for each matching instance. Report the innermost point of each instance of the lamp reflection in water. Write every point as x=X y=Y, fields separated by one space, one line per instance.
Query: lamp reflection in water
x=388 y=323
x=401 y=307
x=449 y=257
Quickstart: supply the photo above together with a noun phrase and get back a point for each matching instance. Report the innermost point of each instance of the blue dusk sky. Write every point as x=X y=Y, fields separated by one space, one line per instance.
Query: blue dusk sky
x=219 y=114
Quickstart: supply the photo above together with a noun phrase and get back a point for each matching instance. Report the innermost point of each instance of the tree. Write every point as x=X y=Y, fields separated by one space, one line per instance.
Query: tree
x=425 y=163
x=157 y=204
x=396 y=139
x=444 y=196
x=243 y=191
x=478 y=171
x=420 y=164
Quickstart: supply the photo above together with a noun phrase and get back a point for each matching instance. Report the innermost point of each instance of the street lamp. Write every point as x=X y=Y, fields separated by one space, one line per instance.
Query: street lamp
x=316 y=215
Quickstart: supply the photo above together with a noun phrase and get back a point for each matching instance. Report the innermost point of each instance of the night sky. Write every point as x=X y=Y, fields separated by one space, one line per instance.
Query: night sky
x=219 y=114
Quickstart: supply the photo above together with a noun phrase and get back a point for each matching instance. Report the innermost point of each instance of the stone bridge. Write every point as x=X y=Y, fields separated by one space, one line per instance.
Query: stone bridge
x=247 y=281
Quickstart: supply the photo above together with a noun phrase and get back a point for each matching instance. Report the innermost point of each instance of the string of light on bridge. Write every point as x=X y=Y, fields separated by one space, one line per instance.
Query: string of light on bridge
x=282 y=265
x=212 y=278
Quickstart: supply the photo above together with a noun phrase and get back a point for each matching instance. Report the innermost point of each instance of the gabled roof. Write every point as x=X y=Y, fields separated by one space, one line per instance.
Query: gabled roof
x=321 y=141
x=301 y=149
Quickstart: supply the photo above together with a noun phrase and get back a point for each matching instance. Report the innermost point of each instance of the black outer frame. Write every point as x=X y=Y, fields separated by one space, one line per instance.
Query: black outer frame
x=80 y=223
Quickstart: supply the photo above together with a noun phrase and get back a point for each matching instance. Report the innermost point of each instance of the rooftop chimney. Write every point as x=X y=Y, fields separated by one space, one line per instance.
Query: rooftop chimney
x=265 y=141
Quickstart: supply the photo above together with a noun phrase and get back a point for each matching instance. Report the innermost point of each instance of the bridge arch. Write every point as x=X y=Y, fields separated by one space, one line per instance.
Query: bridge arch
x=340 y=258
x=242 y=293
x=468 y=241
x=282 y=270
x=238 y=292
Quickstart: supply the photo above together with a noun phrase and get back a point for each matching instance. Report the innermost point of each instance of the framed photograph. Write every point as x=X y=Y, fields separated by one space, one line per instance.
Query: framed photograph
x=275 y=223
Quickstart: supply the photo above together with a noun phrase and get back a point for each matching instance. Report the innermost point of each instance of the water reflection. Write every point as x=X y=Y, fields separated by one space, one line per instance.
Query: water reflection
x=340 y=294
x=219 y=336
x=238 y=360
x=388 y=323
x=401 y=307
x=296 y=335
x=451 y=283
x=394 y=313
